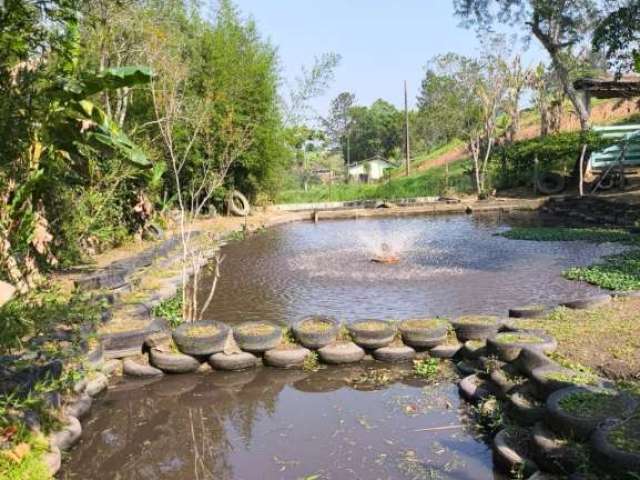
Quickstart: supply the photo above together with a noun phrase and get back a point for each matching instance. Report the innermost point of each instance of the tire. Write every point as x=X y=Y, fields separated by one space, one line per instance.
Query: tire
x=241 y=210
x=173 y=362
x=532 y=311
x=372 y=339
x=445 y=351
x=257 y=342
x=554 y=454
x=69 y=435
x=424 y=337
x=340 y=353
x=508 y=458
x=525 y=409
x=393 y=354
x=530 y=359
x=508 y=352
x=469 y=350
x=316 y=340
x=289 y=358
x=500 y=378
x=233 y=362
x=610 y=457
x=473 y=388
x=546 y=386
x=578 y=426
x=80 y=407
x=138 y=370
x=200 y=345
x=550 y=183
x=466 y=331
x=587 y=303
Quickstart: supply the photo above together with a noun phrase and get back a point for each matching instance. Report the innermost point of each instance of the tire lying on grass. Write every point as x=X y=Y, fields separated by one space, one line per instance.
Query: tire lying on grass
x=474 y=388
x=257 y=337
x=511 y=451
x=424 y=333
x=577 y=411
x=508 y=345
x=616 y=447
x=549 y=379
x=476 y=327
x=587 y=303
x=528 y=311
x=556 y=454
x=316 y=332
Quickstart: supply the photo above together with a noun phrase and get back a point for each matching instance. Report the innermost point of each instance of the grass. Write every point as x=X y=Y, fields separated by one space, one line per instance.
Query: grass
x=255 y=328
x=477 y=320
x=316 y=325
x=30 y=467
x=563 y=234
x=370 y=325
x=517 y=338
x=423 y=323
x=202 y=331
x=626 y=436
x=427 y=368
x=170 y=310
x=421 y=184
x=619 y=272
x=577 y=378
x=588 y=404
x=311 y=362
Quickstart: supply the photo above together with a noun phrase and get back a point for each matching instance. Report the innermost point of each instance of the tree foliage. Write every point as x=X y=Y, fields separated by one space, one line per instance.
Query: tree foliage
x=618 y=36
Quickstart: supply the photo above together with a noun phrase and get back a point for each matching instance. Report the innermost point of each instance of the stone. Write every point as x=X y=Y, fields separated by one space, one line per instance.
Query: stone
x=67 y=437
x=80 y=407
x=112 y=367
x=53 y=460
x=6 y=292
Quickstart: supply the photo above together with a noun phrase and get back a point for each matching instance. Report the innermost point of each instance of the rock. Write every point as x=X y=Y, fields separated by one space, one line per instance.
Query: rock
x=68 y=436
x=6 y=292
x=204 y=368
x=97 y=384
x=80 y=407
x=112 y=367
x=135 y=369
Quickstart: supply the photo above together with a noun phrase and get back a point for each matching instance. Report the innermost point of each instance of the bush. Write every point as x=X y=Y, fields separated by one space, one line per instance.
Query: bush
x=514 y=165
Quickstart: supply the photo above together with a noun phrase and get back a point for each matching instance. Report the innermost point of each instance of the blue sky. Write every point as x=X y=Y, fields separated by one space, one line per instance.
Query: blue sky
x=382 y=42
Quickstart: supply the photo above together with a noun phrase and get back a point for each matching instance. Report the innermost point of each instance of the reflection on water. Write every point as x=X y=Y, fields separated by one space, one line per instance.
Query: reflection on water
x=450 y=265
x=280 y=425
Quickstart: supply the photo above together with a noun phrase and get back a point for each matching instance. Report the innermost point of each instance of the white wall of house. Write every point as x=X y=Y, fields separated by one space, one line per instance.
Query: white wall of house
x=376 y=169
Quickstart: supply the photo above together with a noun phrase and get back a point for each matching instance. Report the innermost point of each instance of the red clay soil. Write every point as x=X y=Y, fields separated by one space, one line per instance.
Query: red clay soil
x=603 y=113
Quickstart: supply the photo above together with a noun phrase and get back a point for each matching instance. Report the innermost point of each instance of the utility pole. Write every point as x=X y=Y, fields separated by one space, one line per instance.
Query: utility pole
x=406 y=122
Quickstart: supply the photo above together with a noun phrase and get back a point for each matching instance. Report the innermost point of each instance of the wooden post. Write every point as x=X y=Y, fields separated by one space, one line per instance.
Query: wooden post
x=406 y=121
x=581 y=176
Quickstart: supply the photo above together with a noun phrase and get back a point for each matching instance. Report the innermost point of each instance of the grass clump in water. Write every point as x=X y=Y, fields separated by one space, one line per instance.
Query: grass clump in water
x=427 y=368
x=587 y=404
x=518 y=338
x=311 y=362
x=617 y=272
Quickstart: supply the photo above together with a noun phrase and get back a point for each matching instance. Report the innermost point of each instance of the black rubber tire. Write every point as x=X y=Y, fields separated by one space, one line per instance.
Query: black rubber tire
x=80 y=407
x=581 y=427
x=532 y=311
x=233 y=362
x=466 y=367
x=424 y=337
x=316 y=340
x=372 y=339
x=508 y=352
x=476 y=331
x=257 y=343
x=608 y=456
x=508 y=459
x=546 y=386
x=524 y=408
x=530 y=359
x=289 y=358
x=445 y=351
x=472 y=352
x=132 y=368
x=550 y=183
x=554 y=454
x=587 y=303
x=394 y=354
x=200 y=345
x=238 y=211
x=170 y=362
x=341 y=352
x=473 y=388
x=501 y=379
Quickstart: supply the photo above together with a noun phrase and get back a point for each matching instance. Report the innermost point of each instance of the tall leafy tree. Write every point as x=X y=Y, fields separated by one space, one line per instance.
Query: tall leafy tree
x=559 y=25
x=618 y=37
x=339 y=122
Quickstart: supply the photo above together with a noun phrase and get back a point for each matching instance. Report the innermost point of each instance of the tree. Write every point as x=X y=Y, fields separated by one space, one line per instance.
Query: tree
x=379 y=131
x=559 y=25
x=339 y=122
x=618 y=37
x=548 y=97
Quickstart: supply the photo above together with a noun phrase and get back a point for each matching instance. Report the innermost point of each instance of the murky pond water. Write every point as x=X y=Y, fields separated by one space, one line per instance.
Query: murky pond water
x=449 y=265
x=329 y=424
x=272 y=424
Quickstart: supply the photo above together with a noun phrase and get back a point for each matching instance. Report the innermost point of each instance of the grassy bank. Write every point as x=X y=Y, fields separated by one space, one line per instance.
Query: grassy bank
x=424 y=184
x=619 y=272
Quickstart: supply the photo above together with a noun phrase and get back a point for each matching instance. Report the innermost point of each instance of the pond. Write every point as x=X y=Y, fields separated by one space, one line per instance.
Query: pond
x=365 y=421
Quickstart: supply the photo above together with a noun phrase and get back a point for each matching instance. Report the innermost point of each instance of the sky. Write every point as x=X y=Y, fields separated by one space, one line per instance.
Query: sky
x=382 y=42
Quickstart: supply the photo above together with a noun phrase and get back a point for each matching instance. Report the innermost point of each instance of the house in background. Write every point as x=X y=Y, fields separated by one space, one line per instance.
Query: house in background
x=369 y=170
